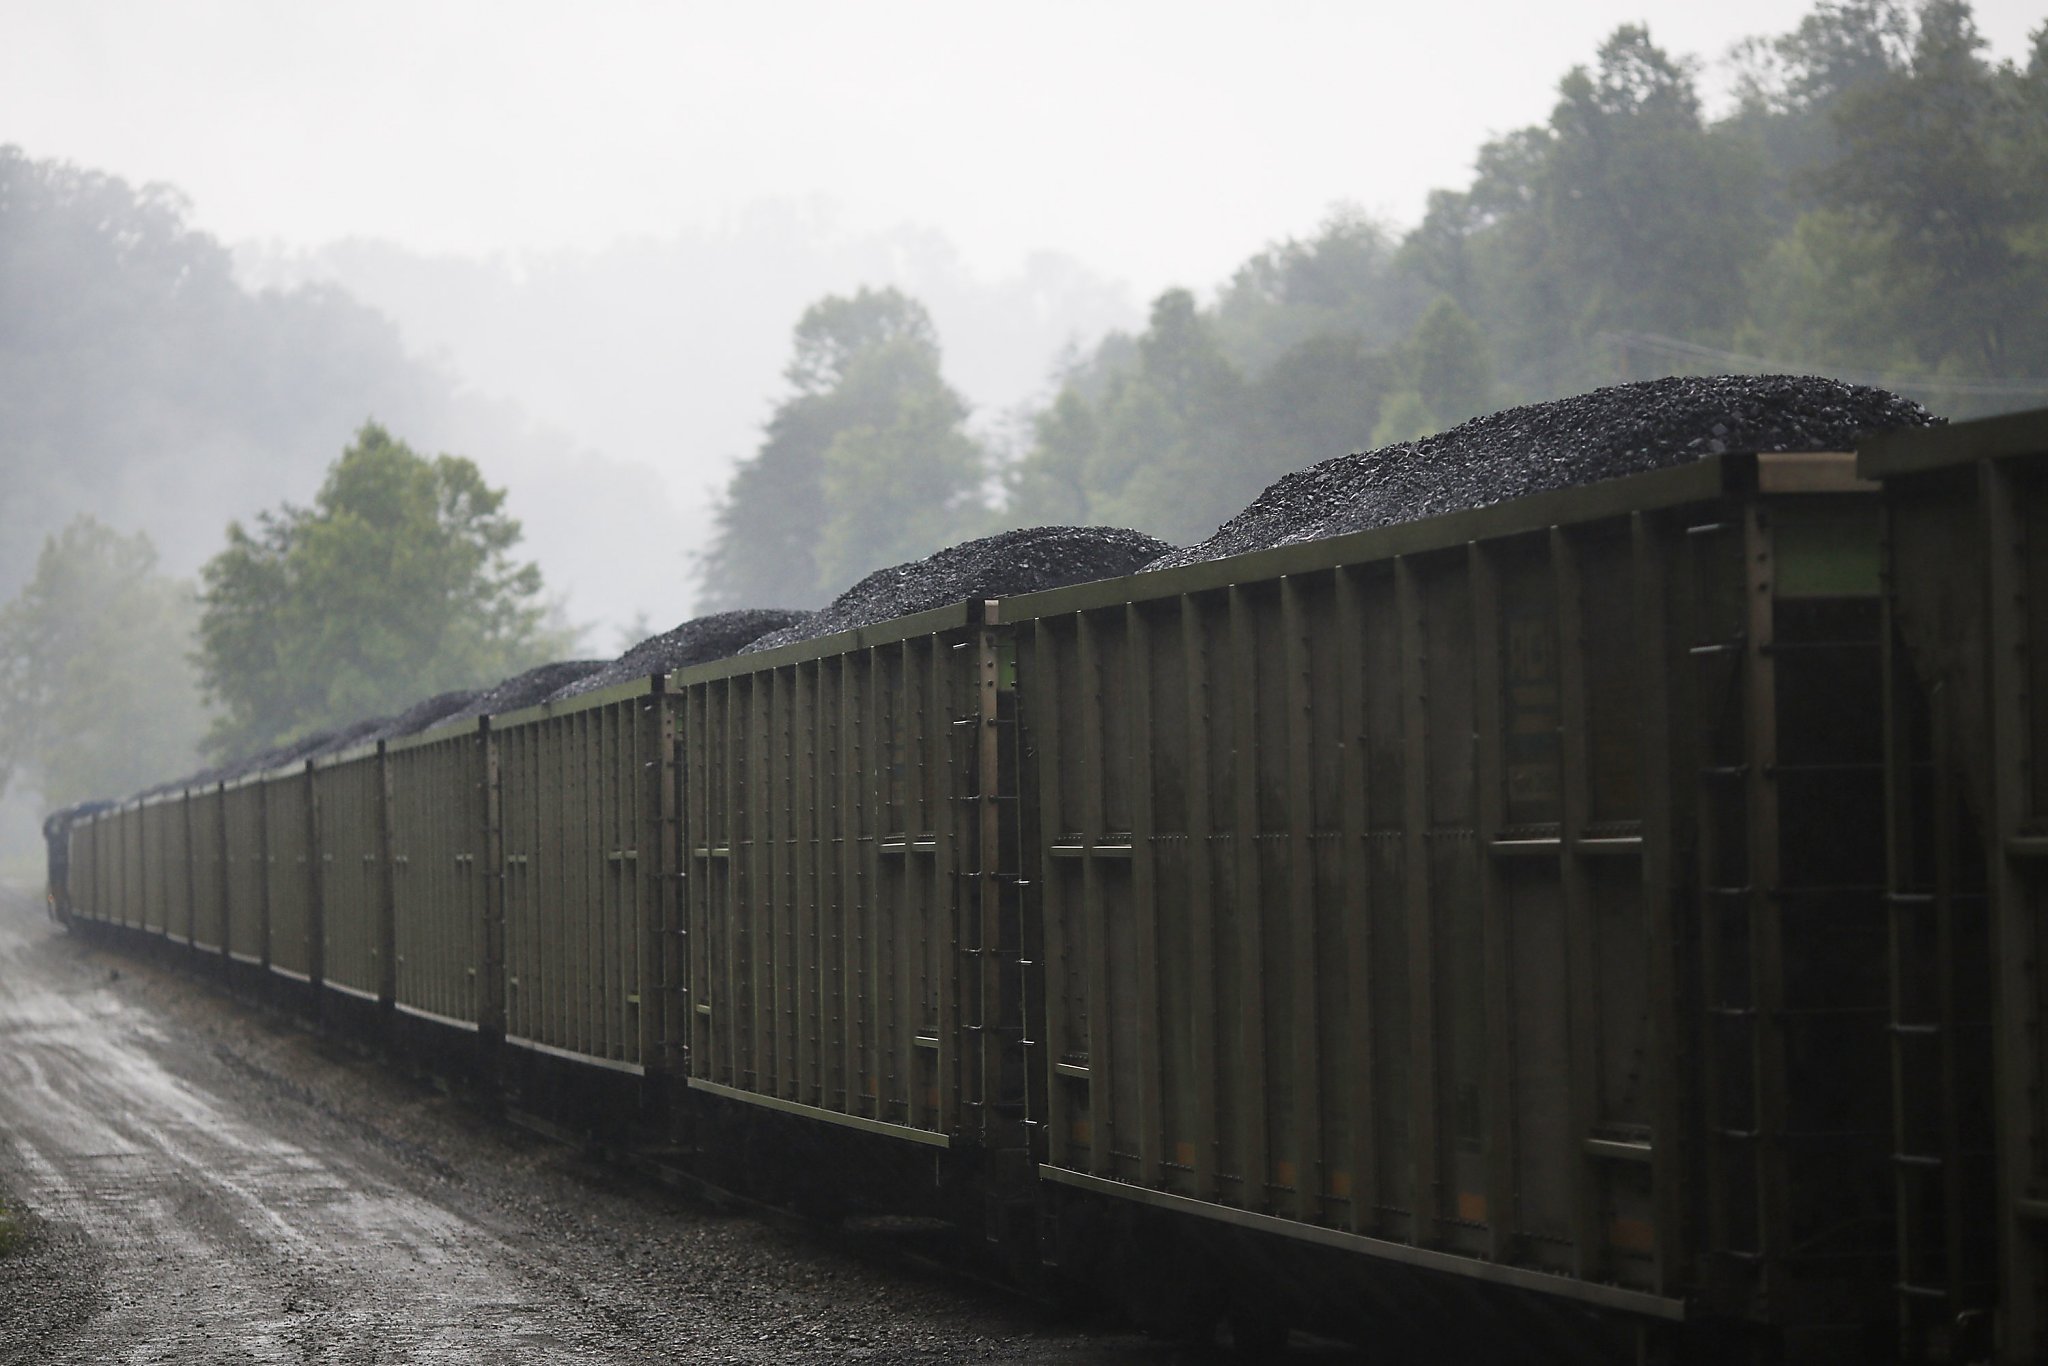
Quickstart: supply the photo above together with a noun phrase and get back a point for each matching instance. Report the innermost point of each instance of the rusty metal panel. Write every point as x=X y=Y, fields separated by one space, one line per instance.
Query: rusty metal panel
x=291 y=874
x=578 y=794
x=1371 y=895
x=831 y=829
x=244 y=814
x=1967 y=566
x=439 y=866
x=207 y=837
x=354 y=913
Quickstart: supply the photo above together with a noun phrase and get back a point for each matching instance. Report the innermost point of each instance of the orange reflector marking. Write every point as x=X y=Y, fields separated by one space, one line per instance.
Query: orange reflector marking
x=1283 y=1173
x=1340 y=1185
x=1184 y=1154
x=1080 y=1131
x=1472 y=1207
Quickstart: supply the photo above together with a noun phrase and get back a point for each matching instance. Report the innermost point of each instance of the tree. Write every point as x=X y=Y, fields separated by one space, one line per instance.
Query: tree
x=1177 y=453
x=1926 y=165
x=1453 y=372
x=397 y=583
x=1652 y=214
x=140 y=381
x=1343 y=282
x=1051 y=486
x=97 y=694
x=901 y=487
x=1321 y=398
x=867 y=462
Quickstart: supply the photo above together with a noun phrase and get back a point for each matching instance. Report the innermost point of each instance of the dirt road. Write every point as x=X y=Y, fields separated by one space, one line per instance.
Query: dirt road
x=211 y=1183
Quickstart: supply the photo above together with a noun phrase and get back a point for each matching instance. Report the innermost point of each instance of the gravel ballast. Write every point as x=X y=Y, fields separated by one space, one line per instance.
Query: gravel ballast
x=1004 y=565
x=1626 y=429
x=697 y=641
x=206 y=1183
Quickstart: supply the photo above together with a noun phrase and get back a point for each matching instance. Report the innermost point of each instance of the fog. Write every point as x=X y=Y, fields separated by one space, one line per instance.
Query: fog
x=663 y=356
x=737 y=304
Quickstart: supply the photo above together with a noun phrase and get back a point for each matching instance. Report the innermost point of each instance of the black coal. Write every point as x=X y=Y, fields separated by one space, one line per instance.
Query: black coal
x=525 y=689
x=1626 y=429
x=349 y=736
x=1013 y=562
x=424 y=715
x=697 y=641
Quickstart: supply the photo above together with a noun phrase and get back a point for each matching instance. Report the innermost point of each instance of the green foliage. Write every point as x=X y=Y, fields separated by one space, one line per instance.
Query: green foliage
x=1876 y=205
x=1448 y=358
x=1652 y=215
x=397 y=583
x=139 y=381
x=867 y=463
x=898 y=487
x=97 y=695
x=1322 y=397
x=1934 y=168
x=1339 y=283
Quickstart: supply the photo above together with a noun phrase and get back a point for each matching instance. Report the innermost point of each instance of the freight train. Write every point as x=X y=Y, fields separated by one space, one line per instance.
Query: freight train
x=1606 y=922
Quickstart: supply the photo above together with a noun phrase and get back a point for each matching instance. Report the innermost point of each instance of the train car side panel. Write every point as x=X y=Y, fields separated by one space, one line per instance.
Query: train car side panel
x=438 y=868
x=354 y=918
x=1967 y=555
x=829 y=827
x=244 y=812
x=208 y=842
x=578 y=812
x=291 y=874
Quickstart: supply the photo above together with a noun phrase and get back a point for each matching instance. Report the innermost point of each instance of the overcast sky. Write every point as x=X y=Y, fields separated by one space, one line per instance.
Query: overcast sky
x=649 y=194
x=1158 y=143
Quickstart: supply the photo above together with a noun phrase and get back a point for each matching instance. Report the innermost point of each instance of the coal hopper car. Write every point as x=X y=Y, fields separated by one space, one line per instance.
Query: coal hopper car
x=1598 y=921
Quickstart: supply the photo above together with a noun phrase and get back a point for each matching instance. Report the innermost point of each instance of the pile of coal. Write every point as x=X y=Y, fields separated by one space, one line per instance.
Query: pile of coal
x=1004 y=565
x=1626 y=429
x=424 y=715
x=525 y=690
x=697 y=641
x=262 y=761
x=350 y=736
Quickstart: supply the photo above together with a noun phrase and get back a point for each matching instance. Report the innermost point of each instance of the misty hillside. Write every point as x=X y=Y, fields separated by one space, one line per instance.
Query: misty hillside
x=140 y=382
x=667 y=350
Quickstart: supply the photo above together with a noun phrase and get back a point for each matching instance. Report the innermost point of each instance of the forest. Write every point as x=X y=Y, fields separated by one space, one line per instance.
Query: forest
x=1873 y=207
x=1870 y=202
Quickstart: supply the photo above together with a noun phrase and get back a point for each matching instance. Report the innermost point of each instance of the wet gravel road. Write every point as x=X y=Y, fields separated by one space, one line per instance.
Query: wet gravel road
x=206 y=1182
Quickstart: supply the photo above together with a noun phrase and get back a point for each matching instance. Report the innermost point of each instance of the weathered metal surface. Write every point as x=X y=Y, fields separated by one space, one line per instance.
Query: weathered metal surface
x=1967 y=558
x=439 y=866
x=830 y=824
x=207 y=839
x=1376 y=893
x=243 y=811
x=166 y=897
x=291 y=874
x=87 y=870
x=133 y=906
x=355 y=920
x=578 y=816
